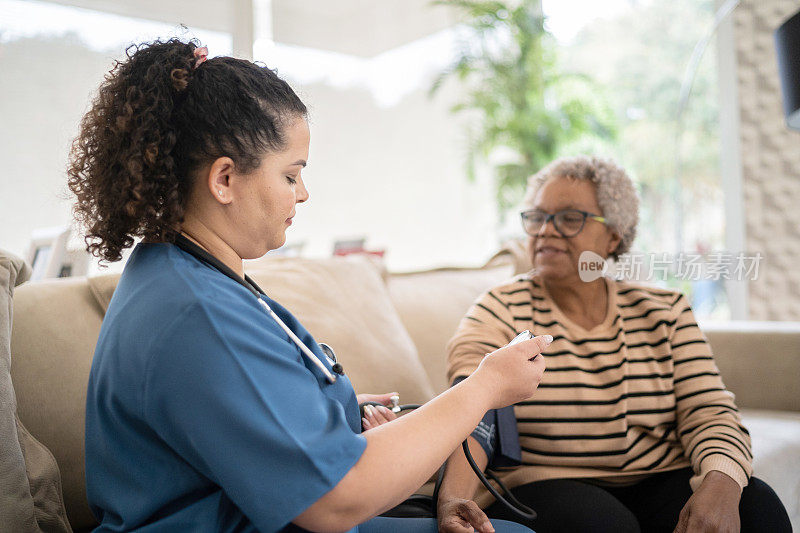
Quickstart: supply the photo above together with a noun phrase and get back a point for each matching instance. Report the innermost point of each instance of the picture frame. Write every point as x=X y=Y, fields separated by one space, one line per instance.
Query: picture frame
x=47 y=253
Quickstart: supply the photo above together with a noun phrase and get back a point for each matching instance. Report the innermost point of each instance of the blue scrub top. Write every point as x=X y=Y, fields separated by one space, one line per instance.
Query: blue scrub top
x=201 y=413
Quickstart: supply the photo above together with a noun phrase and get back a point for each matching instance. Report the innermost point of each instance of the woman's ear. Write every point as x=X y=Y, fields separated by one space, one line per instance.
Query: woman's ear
x=218 y=180
x=613 y=243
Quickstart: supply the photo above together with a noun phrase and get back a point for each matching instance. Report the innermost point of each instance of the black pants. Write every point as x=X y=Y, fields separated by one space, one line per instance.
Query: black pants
x=652 y=505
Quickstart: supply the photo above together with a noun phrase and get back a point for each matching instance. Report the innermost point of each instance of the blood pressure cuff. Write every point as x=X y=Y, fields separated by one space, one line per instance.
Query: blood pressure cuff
x=498 y=436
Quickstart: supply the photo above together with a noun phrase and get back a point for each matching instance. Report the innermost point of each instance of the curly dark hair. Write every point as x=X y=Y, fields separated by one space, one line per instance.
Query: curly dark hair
x=157 y=118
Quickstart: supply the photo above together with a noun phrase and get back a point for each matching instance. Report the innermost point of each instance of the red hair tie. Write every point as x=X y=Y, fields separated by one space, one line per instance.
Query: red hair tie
x=200 y=54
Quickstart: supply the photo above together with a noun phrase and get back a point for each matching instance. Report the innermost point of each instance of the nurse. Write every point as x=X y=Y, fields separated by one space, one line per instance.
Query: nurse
x=204 y=411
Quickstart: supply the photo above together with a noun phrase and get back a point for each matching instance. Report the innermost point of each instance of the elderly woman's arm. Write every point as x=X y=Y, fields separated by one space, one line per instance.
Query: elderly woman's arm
x=486 y=326
x=709 y=427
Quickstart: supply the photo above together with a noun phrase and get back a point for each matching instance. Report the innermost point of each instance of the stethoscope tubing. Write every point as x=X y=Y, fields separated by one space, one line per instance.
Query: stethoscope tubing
x=300 y=344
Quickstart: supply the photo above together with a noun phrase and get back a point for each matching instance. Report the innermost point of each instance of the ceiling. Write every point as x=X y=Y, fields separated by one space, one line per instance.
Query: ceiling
x=364 y=28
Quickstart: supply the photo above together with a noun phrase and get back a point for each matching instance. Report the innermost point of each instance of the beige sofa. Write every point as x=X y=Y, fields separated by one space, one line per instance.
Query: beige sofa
x=389 y=331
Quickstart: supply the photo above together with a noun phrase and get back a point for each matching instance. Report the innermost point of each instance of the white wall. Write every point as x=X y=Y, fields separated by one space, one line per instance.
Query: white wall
x=44 y=88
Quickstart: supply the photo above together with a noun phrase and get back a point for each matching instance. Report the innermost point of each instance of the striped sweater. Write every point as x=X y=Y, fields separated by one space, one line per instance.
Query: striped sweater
x=635 y=395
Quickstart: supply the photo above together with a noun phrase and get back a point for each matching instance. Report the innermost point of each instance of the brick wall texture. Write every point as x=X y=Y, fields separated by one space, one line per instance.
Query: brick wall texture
x=770 y=159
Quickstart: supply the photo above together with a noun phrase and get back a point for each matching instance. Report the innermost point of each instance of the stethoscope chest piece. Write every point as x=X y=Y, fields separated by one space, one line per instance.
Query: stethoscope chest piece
x=331 y=355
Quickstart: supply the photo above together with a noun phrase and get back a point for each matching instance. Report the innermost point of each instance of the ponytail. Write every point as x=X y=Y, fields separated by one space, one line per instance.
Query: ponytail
x=157 y=118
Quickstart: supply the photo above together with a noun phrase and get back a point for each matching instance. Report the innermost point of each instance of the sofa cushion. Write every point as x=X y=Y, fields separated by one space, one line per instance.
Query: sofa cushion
x=56 y=324
x=431 y=304
x=343 y=302
x=30 y=499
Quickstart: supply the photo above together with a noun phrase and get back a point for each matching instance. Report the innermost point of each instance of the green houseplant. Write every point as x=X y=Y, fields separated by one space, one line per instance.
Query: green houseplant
x=508 y=63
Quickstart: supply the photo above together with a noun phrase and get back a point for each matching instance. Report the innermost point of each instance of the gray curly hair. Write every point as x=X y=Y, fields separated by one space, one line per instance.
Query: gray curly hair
x=616 y=193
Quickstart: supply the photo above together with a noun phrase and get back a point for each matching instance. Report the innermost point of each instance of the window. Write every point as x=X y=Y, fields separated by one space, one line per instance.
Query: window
x=637 y=52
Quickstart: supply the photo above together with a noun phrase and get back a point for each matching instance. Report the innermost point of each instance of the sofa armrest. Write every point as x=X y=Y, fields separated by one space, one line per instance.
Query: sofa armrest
x=759 y=361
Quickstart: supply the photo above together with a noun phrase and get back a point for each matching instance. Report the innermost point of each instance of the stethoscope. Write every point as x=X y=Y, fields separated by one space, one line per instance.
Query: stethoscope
x=199 y=253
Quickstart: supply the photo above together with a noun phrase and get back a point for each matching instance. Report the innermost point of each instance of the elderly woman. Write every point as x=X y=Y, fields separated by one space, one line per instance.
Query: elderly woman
x=632 y=428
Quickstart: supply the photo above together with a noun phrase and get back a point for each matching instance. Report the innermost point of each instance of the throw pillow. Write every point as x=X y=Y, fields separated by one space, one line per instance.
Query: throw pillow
x=31 y=498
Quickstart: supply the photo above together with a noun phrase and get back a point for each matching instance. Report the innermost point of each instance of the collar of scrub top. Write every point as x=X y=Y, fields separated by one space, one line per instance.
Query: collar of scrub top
x=185 y=244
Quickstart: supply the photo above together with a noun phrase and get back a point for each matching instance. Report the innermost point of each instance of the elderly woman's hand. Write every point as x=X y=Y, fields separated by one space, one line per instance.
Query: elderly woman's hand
x=714 y=506
x=457 y=515
x=374 y=416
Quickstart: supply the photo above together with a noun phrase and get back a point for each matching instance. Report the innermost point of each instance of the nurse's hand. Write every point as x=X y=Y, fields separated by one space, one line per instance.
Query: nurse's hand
x=375 y=416
x=512 y=373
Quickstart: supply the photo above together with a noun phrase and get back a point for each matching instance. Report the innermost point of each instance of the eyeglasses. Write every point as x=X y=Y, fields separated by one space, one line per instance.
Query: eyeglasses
x=568 y=222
